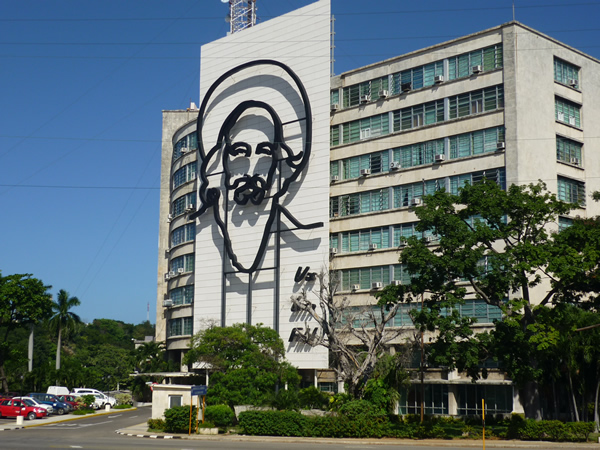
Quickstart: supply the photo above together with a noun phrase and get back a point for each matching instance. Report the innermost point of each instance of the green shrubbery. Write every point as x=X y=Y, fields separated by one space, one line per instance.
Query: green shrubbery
x=221 y=416
x=177 y=419
x=548 y=430
x=124 y=399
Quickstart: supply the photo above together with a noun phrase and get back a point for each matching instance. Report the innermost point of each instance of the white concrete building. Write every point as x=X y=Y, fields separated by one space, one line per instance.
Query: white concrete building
x=508 y=103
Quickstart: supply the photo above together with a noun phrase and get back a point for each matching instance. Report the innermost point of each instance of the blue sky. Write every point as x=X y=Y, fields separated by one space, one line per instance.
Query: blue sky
x=83 y=84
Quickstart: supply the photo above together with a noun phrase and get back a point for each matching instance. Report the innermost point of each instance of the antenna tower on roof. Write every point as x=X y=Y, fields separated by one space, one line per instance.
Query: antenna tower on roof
x=242 y=14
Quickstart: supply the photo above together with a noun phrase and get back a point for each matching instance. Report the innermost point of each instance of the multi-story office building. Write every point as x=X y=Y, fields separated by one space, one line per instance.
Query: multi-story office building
x=508 y=103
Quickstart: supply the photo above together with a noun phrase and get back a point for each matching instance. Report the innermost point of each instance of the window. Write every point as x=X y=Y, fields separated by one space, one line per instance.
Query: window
x=364 y=277
x=185 y=174
x=181 y=326
x=567 y=112
x=183 y=234
x=182 y=295
x=417 y=77
x=498 y=399
x=476 y=142
x=418 y=154
x=175 y=400
x=364 y=202
x=571 y=191
x=418 y=115
x=488 y=58
x=361 y=240
x=404 y=195
x=564 y=223
x=475 y=102
x=376 y=162
x=185 y=262
x=181 y=203
x=458 y=181
x=566 y=73
x=185 y=144
x=568 y=151
x=335 y=97
x=352 y=95
x=435 y=401
x=480 y=310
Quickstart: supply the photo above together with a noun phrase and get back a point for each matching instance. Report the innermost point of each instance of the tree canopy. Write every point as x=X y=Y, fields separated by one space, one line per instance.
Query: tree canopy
x=246 y=362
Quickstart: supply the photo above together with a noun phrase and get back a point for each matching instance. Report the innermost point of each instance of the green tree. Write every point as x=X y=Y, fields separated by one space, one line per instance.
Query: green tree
x=494 y=245
x=150 y=357
x=63 y=320
x=24 y=301
x=246 y=361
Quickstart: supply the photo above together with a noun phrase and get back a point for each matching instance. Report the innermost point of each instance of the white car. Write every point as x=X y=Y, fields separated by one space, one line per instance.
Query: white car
x=30 y=401
x=101 y=399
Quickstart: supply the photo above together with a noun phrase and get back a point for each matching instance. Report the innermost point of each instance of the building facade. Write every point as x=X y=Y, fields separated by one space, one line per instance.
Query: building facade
x=507 y=103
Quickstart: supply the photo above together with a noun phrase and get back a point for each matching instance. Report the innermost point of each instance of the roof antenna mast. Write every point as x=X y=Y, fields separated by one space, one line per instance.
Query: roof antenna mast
x=242 y=14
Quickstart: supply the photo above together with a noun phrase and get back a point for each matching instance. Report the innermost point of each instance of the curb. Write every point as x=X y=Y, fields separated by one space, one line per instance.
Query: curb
x=59 y=419
x=150 y=436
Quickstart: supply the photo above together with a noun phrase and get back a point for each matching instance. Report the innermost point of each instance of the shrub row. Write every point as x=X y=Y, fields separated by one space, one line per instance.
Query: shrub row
x=549 y=430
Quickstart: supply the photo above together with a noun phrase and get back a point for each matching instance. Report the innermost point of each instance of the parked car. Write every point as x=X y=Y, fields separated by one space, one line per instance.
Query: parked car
x=14 y=408
x=69 y=400
x=57 y=390
x=60 y=408
x=101 y=399
x=49 y=409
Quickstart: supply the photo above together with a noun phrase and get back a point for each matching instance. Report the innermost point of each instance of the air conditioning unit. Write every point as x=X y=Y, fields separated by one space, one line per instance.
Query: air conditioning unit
x=406 y=87
x=439 y=158
x=415 y=201
x=169 y=218
x=573 y=82
x=172 y=274
x=189 y=208
x=384 y=93
x=365 y=133
x=430 y=239
x=560 y=116
x=396 y=283
x=167 y=303
x=336 y=214
x=476 y=69
x=372 y=246
x=365 y=98
x=365 y=172
x=572 y=121
x=376 y=285
x=335 y=106
x=355 y=287
x=395 y=165
x=438 y=79
x=500 y=146
x=333 y=251
x=167 y=276
x=574 y=161
x=180 y=270
x=335 y=178
x=402 y=244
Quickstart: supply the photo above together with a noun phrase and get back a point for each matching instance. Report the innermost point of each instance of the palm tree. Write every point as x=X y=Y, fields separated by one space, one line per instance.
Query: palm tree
x=62 y=319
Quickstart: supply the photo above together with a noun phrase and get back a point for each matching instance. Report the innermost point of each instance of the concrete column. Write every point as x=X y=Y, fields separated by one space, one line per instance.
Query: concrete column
x=453 y=399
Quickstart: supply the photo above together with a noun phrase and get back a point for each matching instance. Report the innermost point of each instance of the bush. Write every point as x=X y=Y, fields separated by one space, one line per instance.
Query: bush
x=124 y=399
x=156 y=425
x=285 y=400
x=87 y=400
x=273 y=423
x=177 y=419
x=548 y=430
x=221 y=416
x=312 y=398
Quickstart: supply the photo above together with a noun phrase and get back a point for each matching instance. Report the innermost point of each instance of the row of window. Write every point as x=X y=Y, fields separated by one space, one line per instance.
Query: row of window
x=184 y=174
x=460 y=66
x=185 y=262
x=462 y=105
x=180 y=204
x=182 y=326
x=459 y=146
x=566 y=73
x=186 y=233
x=498 y=399
x=571 y=191
x=183 y=295
x=408 y=194
x=375 y=238
x=567 y=112
x=184 y=145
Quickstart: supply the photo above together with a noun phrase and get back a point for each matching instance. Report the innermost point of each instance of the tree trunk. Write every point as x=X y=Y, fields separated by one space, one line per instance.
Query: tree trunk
x=531 y=400
x=58 y=345
x=3 y=378
x=554 y=401
x=573 y=399
x=596 y=414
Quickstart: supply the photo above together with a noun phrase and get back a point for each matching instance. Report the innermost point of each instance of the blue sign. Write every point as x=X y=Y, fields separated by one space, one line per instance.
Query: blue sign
x=199 y=390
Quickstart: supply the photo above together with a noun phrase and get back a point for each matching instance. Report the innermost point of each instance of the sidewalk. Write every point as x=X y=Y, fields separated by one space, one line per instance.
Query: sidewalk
x=12 y=424
x=141 y=431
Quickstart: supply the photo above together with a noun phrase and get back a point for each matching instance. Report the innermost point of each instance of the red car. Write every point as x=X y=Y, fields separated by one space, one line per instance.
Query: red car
x=69 y=399
x=14 y=408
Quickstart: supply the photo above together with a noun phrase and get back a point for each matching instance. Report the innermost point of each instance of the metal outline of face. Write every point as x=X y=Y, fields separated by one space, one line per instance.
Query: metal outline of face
x=209 y=197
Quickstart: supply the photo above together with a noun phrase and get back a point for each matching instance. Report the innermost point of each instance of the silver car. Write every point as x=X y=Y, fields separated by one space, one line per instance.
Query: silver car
x=30 y=401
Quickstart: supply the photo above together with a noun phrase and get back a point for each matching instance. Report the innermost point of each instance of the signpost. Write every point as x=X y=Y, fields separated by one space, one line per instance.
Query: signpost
x=199 y=391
